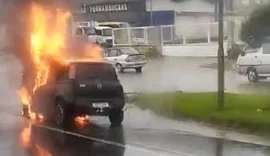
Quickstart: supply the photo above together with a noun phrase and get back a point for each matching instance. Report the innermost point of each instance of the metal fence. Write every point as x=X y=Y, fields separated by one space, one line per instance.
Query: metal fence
x=136 y=36
x=169 y=34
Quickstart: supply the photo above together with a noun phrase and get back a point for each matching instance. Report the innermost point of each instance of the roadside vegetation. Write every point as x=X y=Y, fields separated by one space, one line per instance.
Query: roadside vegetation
x=148 y=51
x=241 y=111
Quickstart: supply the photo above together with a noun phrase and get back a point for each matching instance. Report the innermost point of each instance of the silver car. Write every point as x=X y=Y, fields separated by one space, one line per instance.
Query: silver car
x=125 y=58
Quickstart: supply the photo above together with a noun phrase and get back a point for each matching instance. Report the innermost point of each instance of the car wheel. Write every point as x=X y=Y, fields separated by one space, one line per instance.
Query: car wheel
x=25 y=111
x=61 y=114
x=138 y=70
x=116 y=117
x=252 y=75
x=119 y=68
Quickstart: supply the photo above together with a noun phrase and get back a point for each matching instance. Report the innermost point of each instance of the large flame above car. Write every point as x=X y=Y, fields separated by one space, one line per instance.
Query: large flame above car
x=48 y=42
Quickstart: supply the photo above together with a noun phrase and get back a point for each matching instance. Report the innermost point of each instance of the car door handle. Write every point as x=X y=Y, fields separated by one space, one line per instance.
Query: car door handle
x=114 y=59
x=256 y=56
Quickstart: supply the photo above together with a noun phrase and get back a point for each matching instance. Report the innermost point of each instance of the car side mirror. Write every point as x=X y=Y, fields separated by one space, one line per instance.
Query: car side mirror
x=243 y=53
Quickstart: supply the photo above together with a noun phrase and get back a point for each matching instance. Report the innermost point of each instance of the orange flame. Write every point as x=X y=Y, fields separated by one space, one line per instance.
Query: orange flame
x=25 y=97
x=26 y=142
x=42 y=151
x=48 y=39
x=82 y=121
x=25 y=137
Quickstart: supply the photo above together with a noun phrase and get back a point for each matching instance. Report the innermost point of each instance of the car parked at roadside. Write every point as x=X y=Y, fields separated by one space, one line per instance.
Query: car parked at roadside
x=254 y=62
x=125 y=58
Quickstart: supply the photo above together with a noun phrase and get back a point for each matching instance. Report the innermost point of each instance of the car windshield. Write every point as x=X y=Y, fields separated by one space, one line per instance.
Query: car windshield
x=249 y=50
x=90 y=71
x=266 y=48
x=110 y=25
x=89 y=31
x=129 y=50
x=107 y=32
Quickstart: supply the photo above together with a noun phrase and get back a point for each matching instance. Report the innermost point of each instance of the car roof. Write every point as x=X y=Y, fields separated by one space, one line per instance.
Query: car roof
x=111 y=22
x=103 y=27
x=87 y=61
x=119 y=48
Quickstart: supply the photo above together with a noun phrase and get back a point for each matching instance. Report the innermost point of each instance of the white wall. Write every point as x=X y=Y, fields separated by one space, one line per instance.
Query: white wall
x=186 y=6
x=192 y=50
x=194 y=27
x=186 y=25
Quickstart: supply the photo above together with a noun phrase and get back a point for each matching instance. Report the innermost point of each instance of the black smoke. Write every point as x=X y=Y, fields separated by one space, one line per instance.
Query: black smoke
x=16 y=16
x=257 y=26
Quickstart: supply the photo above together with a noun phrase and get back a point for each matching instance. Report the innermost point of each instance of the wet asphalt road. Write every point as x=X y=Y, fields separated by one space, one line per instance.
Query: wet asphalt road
x=142 y=133
x=188 y=75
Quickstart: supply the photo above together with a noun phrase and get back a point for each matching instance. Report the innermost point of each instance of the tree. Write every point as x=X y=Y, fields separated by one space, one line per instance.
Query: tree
x=258 y=26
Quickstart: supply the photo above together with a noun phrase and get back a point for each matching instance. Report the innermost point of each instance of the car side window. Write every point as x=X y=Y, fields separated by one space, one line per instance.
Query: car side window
x=72 y=72
x=79 y=31
x=119 y=53
x=99 y=32
x=266 y=49
x=106 y=53
x=113 y=53
x=64 y=76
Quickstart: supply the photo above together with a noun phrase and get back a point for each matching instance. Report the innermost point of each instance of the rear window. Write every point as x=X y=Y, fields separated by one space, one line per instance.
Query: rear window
x=129 y=51
x=92 y=71
x=249 y=49
x=266 y=48
x=110 y=25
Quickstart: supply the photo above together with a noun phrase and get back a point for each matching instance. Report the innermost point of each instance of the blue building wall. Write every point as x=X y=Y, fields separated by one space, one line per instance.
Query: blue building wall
x=166 y=17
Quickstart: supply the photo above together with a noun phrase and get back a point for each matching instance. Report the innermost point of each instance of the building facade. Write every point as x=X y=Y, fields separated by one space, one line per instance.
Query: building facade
x=132 y=11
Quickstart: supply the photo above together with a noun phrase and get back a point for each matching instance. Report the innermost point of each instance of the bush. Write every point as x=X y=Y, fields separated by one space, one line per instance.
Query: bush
x=148 y=51
x=234 y=51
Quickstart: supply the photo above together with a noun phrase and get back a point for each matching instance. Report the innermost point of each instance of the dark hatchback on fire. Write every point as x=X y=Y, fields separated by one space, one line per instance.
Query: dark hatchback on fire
x=81 y=88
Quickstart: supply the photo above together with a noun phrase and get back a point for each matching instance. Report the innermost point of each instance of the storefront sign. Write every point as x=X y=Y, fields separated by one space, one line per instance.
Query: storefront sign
x=104 y=8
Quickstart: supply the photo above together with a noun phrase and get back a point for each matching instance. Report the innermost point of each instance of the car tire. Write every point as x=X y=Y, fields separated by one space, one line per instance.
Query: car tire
x=116 y=117
x=25 y=111
x=138 y=70
x=252 y=75
x=119 y=68
x=61 y=116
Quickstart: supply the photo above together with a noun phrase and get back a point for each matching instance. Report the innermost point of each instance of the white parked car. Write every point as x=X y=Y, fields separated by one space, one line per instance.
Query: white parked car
x=125 y=58
x=254 y=63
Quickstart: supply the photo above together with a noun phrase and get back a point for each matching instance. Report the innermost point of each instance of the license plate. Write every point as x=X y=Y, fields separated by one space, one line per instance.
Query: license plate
x=100 y=104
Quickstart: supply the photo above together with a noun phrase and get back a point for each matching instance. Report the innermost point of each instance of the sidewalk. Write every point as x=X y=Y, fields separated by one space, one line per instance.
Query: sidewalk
x=154 y=121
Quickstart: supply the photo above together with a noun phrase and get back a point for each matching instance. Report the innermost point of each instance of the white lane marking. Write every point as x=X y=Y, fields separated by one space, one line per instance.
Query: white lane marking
x=143 y=148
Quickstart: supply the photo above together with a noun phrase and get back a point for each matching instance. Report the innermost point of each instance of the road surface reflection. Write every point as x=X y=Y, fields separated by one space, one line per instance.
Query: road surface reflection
x=41 y=141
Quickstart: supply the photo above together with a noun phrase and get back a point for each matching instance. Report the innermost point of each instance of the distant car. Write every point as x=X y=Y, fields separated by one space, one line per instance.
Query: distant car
x=81 y=88
x=254 y=62
x=125 y=58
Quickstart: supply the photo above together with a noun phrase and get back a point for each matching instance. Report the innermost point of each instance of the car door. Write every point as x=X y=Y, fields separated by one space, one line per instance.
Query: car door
x=264 y=59
x=112 y=56
x=42 y=100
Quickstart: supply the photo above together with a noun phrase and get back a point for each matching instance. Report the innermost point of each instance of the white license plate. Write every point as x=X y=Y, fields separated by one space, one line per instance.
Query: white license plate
x=100 y=104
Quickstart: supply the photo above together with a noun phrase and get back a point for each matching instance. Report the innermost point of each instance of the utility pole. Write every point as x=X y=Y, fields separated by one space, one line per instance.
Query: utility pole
x=220 y=56
x=151 y=12
x=216 y=10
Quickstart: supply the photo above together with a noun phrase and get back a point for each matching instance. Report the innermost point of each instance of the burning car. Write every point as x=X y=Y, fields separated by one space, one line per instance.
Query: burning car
x=77 y=89
x=57 y=89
